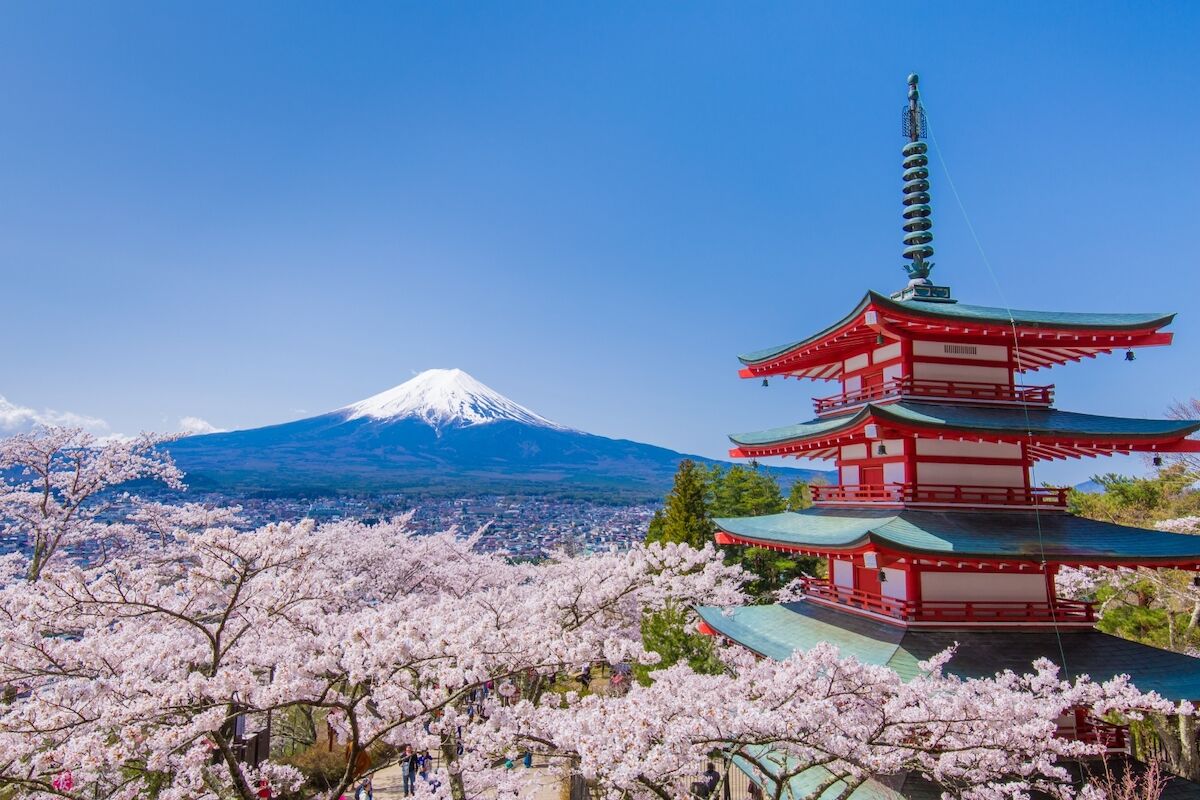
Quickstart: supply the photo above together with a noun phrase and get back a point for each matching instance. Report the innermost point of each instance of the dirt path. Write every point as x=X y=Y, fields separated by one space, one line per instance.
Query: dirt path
x=541 y=784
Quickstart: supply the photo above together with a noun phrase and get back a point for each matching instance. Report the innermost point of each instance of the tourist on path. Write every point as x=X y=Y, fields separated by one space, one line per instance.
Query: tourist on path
x=410 y=767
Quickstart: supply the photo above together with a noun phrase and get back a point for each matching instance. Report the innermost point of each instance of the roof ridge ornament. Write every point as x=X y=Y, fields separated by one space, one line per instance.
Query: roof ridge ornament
x=918 y=225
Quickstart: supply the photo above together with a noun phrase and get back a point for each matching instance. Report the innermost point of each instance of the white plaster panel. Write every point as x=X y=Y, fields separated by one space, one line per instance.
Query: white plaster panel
x=895 y=447
x=892 y=371
x=993 y=586
x=857 y=362
x=850 y=476
x=982 y=352
x=893 y=472
x=886 y=353
x=946 y=447
x=854 y=451
x=966 y=373
x=843 y=574
x=970 y=474
x=853 y=383
x=895 y=586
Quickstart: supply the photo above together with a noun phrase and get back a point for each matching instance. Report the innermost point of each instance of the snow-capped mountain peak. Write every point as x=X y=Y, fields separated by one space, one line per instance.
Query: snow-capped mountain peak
x=442 y=398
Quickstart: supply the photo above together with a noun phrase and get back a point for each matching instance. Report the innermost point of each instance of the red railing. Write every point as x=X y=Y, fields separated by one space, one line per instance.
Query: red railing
x=927 y=494
x=855 y=598
x=940 y=390
x=1094 y=730
x=1060 y=611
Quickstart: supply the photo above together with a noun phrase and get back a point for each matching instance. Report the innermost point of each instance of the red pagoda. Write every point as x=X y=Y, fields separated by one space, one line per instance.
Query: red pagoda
x=934 y=533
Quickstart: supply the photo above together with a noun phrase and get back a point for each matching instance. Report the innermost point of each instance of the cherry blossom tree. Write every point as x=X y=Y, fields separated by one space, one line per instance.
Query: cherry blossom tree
x=129 y=675
x=1172 y=597
x=56 y=486
x=126 y=677
x=976 y=738
x=124 y=680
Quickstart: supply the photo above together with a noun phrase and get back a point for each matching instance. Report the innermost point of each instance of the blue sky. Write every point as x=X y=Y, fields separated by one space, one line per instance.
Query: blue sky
x=255 y=212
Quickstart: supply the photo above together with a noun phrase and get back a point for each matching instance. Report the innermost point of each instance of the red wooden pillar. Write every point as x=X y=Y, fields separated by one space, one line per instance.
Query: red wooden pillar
x=1050 y=571
x=912 y=583
x=1027 y=465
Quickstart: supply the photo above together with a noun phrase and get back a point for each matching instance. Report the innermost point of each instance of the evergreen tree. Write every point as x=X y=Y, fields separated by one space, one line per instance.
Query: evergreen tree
x=743 y=492
x=671 y=633
x=800 y=497
x=751 y=492
x=685 y=518
x=654 y=533
x=1140 y=501
x=1156 y=607
x=701 y=494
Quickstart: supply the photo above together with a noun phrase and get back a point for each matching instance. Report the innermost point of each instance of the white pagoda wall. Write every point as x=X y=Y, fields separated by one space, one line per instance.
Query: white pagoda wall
x=994 y=586
x=935 y=473
x=842 y=573
x=896 y=585
x=939 y=474
x=966 y=373
x=853 y=456
x=951 y=447
x=977 y=363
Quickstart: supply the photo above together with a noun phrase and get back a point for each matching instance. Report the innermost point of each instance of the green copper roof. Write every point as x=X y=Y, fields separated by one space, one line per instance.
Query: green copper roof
x=807 y=782
x=976 y=418
x=803 y=430
x=902 y=786
x=778 y=630
x=1018 y=535
x=962 y=312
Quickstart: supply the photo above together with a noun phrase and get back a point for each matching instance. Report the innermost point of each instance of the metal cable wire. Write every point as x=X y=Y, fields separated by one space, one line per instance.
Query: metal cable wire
x=1017 y=350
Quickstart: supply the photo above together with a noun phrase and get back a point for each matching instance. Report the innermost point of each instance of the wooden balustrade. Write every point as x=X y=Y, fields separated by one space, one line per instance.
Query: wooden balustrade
x=1091 y=729
x=931 y=494
x=937 y=390
x=951 y=611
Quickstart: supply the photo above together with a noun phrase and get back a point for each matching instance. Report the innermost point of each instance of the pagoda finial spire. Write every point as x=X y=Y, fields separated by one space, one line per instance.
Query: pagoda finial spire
x=917 y=223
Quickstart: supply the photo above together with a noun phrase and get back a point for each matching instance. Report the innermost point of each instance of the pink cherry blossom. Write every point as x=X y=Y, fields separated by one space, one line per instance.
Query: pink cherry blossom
x=53 y=486
x=126 y=672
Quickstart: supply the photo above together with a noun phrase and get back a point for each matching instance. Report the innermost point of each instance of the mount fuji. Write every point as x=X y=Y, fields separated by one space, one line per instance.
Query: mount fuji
x=442 y=432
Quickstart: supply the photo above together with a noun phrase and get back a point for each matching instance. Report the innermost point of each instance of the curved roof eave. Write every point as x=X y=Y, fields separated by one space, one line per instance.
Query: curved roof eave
x=1072 y=320
x=767 y=354
x=801 y=430
x=938 y=416
x=1082 y=320
x=966 y=534
x=1038 y=421
x=757 y=529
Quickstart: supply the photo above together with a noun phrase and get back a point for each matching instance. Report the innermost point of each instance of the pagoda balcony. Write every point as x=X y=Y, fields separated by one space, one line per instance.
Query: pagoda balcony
x=952 y=612
x=954 y=391
x=910 y=494
x=1085 y=727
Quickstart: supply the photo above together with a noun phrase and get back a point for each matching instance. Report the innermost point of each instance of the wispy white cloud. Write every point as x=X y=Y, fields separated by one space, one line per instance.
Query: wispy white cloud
x=20 y=419
x=194 y=426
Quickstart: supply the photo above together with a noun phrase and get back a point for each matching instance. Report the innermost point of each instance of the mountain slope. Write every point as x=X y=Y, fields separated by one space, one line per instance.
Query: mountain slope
x=442 y=432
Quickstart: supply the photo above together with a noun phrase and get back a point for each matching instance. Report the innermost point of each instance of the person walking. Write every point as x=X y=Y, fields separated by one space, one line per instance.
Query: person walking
x=410 y=767
x=365 y=791
x=427 y=773
x=703 y=789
